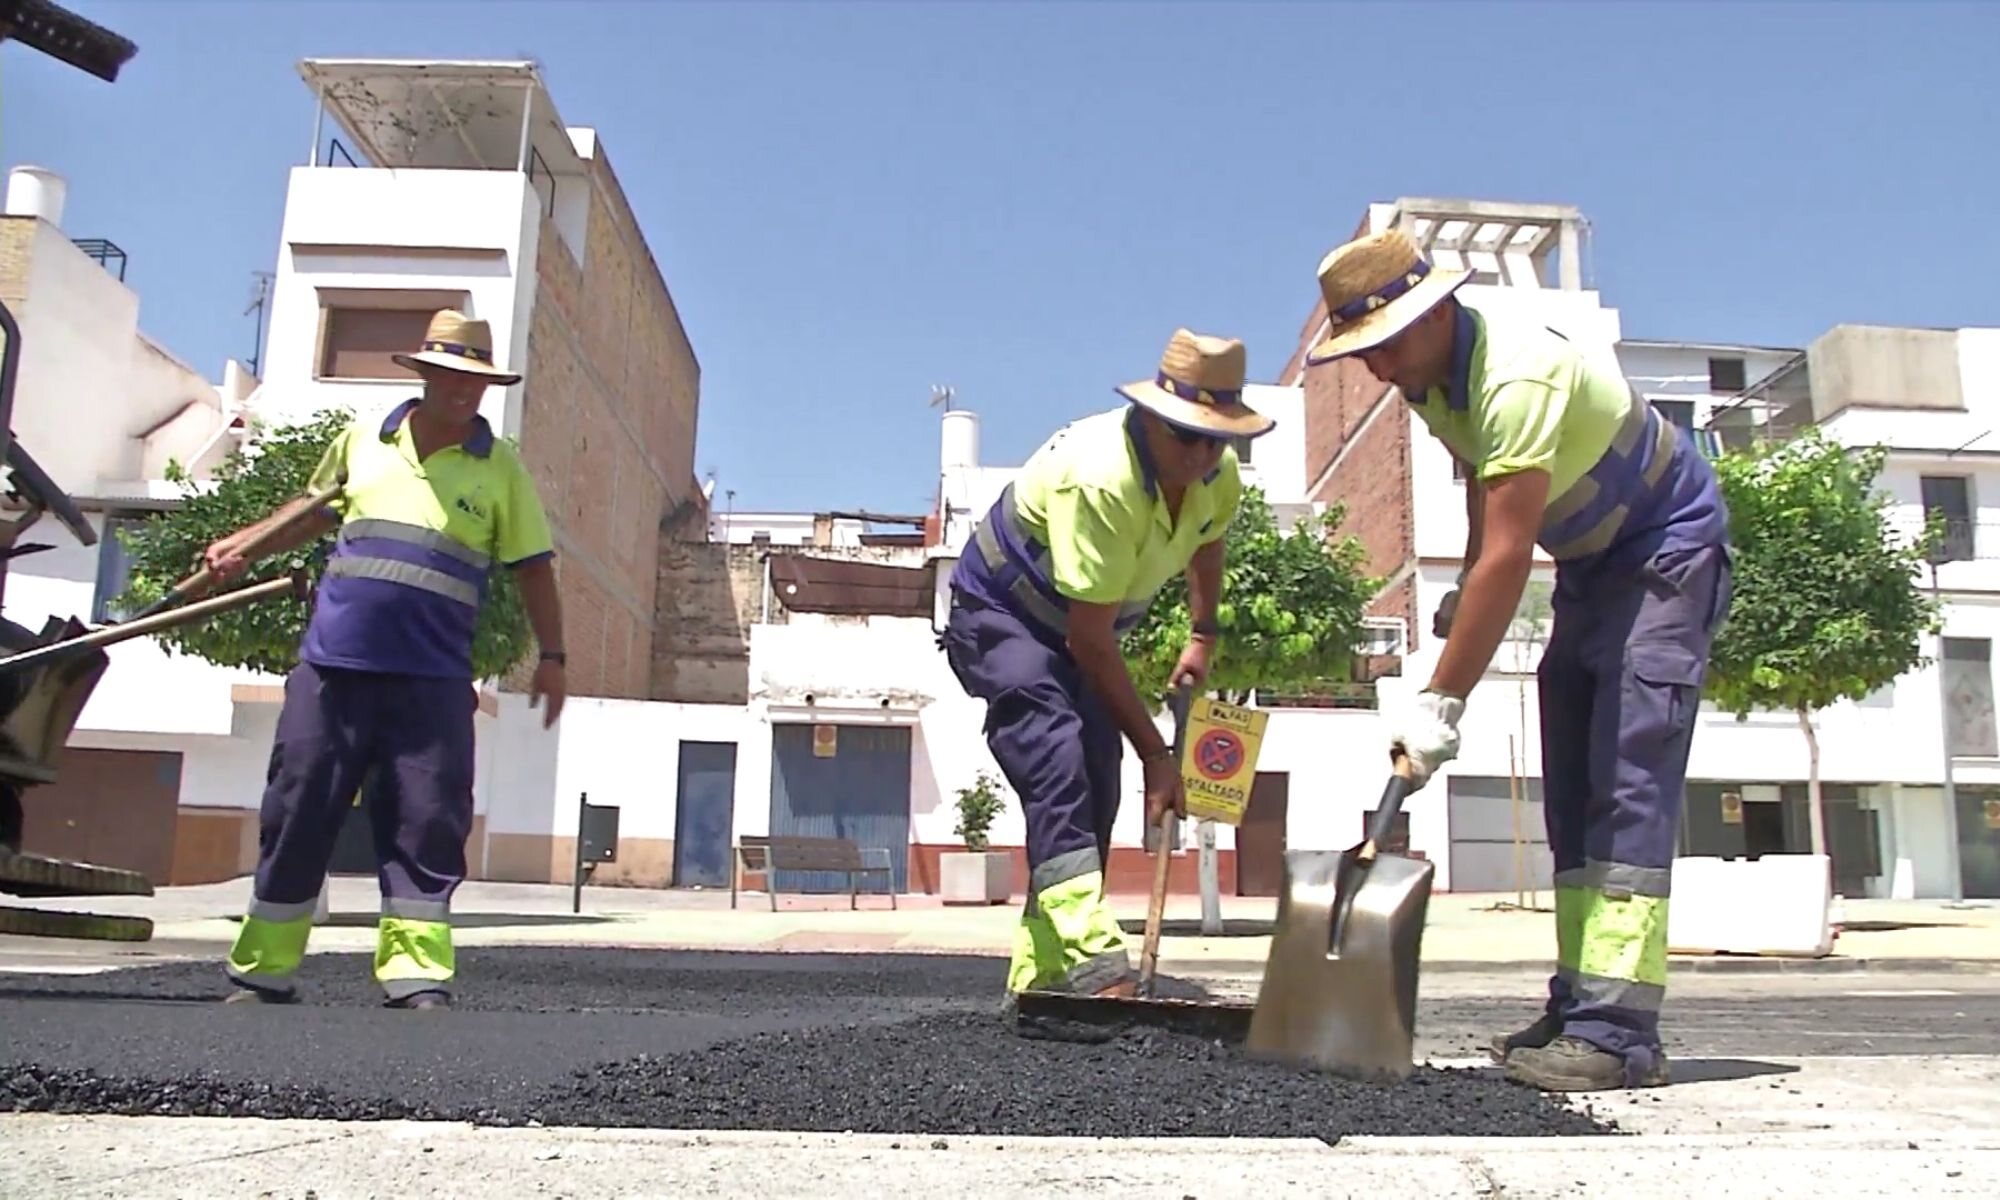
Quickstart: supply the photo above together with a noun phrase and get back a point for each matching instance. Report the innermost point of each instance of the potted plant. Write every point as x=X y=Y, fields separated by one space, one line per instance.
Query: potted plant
x=979 y=875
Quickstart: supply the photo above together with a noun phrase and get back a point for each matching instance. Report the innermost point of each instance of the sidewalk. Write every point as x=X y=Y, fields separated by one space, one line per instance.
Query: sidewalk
x=1470 y=932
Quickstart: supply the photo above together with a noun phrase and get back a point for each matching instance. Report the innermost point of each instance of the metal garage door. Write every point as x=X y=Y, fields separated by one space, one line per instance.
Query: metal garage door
x=855 y=785
x=115 y=808
x=1482 y=836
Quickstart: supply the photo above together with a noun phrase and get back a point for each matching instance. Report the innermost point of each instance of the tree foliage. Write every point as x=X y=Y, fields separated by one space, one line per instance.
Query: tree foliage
x=1290 y=611
x=247 y=487
x=1828 y=604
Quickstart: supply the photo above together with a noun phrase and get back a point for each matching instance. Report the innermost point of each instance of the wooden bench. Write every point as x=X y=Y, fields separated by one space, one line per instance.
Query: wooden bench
x=768 y=855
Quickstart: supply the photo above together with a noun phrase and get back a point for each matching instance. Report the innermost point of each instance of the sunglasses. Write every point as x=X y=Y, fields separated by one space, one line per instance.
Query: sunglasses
x=1190 y=437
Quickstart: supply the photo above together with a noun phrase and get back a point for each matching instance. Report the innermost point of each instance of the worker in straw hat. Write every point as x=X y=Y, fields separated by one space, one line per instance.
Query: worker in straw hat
x=1561 y=452
x=1067 y=560
x=383 y=689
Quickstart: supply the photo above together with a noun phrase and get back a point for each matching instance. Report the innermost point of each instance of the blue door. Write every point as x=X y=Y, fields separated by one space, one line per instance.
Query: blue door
x=855 y=786
x=704 y=814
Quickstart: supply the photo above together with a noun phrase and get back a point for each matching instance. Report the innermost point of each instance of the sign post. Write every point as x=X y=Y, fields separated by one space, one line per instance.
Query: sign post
x=596 y=842
x=1218 y=768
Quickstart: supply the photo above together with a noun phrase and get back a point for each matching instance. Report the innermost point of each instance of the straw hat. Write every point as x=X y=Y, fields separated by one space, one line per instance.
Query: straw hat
x=1200 y=387
x=1376 y=287
x=458 y=343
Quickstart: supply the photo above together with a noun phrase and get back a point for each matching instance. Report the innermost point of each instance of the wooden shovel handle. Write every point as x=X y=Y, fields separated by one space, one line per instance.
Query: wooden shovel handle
x=204 y=579
x=1149 y=956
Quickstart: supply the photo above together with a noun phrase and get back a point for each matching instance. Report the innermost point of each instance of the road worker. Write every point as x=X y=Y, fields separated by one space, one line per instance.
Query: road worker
x=1068 y=560
x=384 y=684
x=1562 y=452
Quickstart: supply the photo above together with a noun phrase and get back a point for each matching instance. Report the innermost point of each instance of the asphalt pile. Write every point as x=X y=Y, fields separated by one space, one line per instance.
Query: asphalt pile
x=696 y=1040
x=966 y=1074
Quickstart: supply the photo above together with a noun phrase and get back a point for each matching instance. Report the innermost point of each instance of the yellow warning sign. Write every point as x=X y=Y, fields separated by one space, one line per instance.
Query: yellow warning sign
x=1219 y=762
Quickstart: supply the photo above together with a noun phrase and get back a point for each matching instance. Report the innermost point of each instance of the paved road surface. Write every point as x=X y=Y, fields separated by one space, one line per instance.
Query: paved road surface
x=889 y=1043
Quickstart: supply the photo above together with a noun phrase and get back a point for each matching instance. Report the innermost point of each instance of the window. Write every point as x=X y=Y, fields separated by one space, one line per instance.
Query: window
x=1949 y=497
x=1726 y=376
x=363 y=329
x=1968 y=689
x=1680 y=412
x=114 y=570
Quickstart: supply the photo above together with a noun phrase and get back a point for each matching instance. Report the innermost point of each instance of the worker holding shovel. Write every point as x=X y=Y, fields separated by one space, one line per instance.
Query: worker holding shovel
x=1068 y=559
x=1563 y=453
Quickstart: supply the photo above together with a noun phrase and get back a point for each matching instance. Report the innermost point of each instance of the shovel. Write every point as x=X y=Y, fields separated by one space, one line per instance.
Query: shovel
x=1073 y=1016
x=1340 y=987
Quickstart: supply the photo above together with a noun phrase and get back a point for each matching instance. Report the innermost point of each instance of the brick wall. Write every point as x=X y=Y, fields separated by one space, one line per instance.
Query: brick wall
x=1355 y=421
x=710 y=594
x=608 y=427
x=17 y=241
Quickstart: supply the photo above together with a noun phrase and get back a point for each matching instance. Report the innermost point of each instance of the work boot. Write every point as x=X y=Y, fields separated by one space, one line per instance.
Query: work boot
x=1545 y=1030
x=1570 y=1064
x=420 y=1000
x=242 y=994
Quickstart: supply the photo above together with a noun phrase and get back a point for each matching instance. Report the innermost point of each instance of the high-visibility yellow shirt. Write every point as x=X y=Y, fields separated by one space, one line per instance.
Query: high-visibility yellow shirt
x=418 y=539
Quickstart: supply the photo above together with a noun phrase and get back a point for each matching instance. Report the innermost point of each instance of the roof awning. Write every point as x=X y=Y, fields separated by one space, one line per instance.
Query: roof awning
x=828 y=585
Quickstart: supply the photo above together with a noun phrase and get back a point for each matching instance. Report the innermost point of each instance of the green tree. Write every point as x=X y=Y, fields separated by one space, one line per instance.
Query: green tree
x=1290 y=611
x=247 y=487
x=1827 y=604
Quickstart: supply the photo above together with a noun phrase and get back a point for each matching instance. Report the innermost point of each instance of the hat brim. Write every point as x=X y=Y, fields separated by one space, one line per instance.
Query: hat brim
x=1389 y=320
x=1228 y=420
x=452 y=362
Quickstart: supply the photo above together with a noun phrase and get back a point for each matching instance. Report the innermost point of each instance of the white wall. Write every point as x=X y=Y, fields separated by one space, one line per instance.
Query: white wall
x=783 y=529
x=469 y=232
x=84 y=357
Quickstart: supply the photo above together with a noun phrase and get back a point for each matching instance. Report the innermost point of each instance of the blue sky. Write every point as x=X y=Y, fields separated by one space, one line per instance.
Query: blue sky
x=852 y=202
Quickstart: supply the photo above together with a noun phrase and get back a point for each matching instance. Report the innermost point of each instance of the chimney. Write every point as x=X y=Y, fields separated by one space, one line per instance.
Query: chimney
x=959 y=448
x=822 y=530
x=36 y=192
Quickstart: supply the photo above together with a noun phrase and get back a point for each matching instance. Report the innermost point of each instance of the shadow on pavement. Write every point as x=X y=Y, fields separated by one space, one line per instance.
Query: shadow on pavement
x=363 y=919
x=1183 y=927
x=1724 y=1070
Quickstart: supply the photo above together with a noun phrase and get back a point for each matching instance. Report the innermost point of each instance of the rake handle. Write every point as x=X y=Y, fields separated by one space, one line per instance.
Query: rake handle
x=204 y=579
x=1149 y=957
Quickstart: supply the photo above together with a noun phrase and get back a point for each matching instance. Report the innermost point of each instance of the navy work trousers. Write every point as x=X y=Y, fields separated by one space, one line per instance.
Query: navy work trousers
x=410 y=739
x=1620 y=684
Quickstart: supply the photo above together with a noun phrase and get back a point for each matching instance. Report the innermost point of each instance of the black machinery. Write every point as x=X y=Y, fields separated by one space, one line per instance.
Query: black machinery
x=47 y=677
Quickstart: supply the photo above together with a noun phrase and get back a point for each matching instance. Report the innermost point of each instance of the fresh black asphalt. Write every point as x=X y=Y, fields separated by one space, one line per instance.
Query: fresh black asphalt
x=874 y=1043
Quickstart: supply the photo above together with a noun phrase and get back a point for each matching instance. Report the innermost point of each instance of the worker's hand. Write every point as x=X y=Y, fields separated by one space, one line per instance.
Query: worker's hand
x=224 y=556
x=1193 y=666
x=1447 y=609
x=1163 y=789
x=550 y=683
x=1427 y=733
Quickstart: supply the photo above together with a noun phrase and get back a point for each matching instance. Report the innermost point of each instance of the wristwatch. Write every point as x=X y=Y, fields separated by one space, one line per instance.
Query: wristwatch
x=555 y=656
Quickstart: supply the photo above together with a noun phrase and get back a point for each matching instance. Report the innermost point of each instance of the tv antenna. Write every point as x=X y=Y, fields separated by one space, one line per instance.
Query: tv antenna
x=260 y=296
x=942 y=394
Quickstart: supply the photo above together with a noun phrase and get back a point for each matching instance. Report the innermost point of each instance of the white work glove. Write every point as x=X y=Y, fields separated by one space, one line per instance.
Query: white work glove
x=1427 y=733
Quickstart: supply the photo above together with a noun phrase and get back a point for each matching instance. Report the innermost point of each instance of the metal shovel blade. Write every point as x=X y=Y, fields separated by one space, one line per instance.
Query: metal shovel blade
x=1340 y=987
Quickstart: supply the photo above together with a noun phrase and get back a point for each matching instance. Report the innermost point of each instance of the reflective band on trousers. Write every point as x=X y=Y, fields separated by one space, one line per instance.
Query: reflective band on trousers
x=1069 y=938
x=1611 y=941
x=1042 y=566
x=412 y=955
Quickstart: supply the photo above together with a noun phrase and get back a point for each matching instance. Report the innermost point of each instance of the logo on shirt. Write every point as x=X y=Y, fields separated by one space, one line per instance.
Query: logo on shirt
x=471 y=506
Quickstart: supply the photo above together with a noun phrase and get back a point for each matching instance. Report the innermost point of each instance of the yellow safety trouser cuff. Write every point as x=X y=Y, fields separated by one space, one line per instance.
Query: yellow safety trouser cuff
x=268 y=950
x=1622 y=937
x=1069 y=931
x=413 y=956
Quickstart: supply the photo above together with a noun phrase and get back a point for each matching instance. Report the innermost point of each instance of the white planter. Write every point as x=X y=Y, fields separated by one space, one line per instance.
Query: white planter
x=968 y=878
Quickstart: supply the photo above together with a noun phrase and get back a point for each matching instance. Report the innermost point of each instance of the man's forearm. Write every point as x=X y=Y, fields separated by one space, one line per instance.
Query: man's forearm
x=1103 y=669
x=280 y=540
x=1491 y=593
x=1204 y=580
x=1475 y=507
x=543 y=600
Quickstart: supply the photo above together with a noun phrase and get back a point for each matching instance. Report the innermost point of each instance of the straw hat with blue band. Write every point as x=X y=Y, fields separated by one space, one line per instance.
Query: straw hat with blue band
x=1375 y=288
x=458 y=343
x=1200 y=387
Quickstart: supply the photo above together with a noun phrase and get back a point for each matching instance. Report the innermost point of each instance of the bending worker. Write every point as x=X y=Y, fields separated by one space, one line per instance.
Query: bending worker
x=384 y=687
x=1563 y=453
x=1104 y=514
